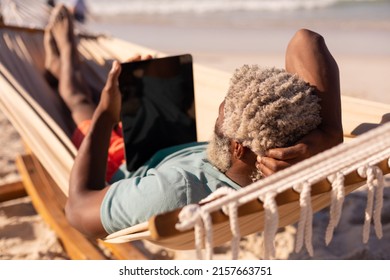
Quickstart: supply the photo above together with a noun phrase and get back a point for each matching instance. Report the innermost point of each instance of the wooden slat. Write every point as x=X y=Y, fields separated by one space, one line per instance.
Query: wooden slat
x=124 y=251
x=37 y=134
x=50 y=199
x=120 y=251
x=12 y=191
x=45 y=202
x=161 y=228
x=288 y=213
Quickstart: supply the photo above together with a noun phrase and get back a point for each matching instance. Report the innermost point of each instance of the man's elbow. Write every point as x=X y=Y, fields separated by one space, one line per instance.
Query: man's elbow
x=73 y=216
x=337 y=136
x=80 y=220
x=334 y=135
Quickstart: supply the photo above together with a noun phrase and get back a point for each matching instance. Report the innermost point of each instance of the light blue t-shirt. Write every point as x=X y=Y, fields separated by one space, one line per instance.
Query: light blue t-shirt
x=172 y=178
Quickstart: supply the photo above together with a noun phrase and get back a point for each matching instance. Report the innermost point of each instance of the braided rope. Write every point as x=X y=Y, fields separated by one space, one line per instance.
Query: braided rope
x=366 y=150
x=370 y=203
x=378 y=202
x=304 y=233
x=199 y=233
x=208 y=227
x=235 y=228
x=231 y=211
x=189 y=217
x=372 y=210
x=270 y=223
x=336 y=204
x=192 y=215
x=370 y=147
x=301 y=222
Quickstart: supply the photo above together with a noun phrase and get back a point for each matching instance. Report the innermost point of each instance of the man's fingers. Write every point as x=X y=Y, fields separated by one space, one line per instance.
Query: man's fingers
x=113 y=75
x=138 y=57
x=273 y=164
x=287 y=153
x=280 y=158
x=147 y=57
x=264 y=170
x=268 y=166
x=281 y=153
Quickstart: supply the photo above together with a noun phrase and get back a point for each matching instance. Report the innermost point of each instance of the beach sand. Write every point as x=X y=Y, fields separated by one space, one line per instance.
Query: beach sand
x=364 y=72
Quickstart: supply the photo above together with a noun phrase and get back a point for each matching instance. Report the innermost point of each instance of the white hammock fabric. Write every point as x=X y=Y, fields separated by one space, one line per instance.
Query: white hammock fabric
x=33 y=14
x=30 y=14
x=360 y=154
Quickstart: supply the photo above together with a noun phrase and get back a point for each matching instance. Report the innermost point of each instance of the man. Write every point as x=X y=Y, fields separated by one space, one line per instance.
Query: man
x=79 y=10
x=263 y=109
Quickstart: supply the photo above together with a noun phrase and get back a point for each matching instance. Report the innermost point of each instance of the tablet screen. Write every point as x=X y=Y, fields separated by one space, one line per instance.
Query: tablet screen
x=158 y=108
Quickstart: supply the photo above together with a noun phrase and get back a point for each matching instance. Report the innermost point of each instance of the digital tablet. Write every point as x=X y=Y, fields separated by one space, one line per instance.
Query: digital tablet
x=158 y=109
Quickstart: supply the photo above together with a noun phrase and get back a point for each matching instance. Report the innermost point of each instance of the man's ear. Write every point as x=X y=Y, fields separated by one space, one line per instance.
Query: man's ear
x=238 y=150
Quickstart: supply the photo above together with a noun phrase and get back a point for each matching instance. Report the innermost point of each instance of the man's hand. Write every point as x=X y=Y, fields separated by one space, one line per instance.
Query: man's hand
x=281 y=158
x=110 y=100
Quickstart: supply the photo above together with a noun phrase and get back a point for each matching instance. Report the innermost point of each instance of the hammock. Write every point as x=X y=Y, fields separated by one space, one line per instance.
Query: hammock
x=286 y=197
x=289 y=196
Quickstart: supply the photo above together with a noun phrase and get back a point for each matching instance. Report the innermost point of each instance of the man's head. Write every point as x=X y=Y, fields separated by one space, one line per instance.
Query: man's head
x=264 y=108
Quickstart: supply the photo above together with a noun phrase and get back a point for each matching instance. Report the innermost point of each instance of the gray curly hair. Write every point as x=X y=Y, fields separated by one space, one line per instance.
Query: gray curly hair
x=264 y=108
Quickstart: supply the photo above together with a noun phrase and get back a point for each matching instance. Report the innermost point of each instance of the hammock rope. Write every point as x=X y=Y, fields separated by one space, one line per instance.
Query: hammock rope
x=361 y=155
x=270 y=224
x=304 y=233
x=375 y=193
x=231 y=211
x=336 y=205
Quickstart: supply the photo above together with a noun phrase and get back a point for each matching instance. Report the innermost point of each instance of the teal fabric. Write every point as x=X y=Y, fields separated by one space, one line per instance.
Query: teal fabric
x=172 y=178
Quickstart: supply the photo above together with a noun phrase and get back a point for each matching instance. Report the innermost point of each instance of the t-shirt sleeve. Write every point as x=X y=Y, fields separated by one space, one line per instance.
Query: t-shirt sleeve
x=132 y=201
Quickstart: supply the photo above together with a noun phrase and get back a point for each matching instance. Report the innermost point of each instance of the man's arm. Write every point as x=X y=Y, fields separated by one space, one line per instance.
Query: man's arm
x=308 y=56
x=87 y=185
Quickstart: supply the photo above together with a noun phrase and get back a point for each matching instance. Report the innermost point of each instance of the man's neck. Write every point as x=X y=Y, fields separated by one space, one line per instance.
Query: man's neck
x=241 y=175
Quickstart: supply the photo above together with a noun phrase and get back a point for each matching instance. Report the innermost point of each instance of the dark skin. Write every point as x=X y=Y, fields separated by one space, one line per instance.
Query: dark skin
x=87 y=186
x=308 y=56
x=243 y=164
x=243 y=159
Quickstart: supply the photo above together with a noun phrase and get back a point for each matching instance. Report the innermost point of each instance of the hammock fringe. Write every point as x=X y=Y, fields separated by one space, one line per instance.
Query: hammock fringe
x=361 y=155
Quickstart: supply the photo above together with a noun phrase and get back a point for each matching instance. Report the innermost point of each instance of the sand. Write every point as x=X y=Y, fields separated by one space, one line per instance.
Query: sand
x=23 y=234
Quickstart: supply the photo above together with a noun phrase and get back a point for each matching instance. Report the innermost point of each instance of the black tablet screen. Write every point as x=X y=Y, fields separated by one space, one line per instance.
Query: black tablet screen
x=158 y=108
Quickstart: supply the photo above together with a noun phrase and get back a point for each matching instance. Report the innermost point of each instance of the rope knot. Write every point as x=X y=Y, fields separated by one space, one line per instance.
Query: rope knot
x=373 y=210
x=270 y=224
x=192 y=216
x=304 y=232
x=188 y=217
x=337 y=200
x=229 y=210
